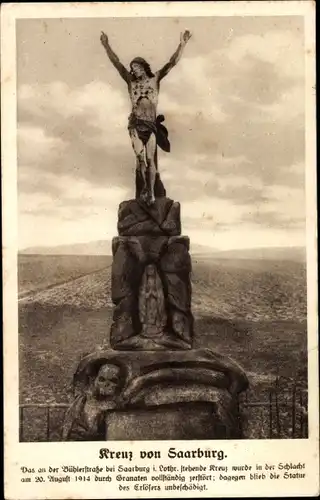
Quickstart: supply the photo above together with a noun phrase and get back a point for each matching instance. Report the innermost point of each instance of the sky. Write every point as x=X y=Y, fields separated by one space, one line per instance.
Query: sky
x=234 y=108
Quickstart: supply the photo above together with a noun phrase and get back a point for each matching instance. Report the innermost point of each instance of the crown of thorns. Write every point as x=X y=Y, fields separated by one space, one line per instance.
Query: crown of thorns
x=142 y=62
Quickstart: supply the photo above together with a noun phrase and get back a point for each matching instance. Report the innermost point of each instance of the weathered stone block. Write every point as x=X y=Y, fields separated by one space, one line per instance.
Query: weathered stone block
x=156 y=395
x=151 y=292
x=172 y=422
x=135 y=218
x=177 y=257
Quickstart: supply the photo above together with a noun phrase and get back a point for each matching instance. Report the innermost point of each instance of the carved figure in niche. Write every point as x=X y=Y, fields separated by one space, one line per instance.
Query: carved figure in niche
x=168 y=280
x=145 y=127
x=85 y=420
x=152 y=311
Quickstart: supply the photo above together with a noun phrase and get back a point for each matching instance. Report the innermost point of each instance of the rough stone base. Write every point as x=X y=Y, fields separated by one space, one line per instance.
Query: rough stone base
x=170 y=293
x=167 y=422
x=156 y=395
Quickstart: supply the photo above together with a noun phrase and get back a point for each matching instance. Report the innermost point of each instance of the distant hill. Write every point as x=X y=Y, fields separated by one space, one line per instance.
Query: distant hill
x=196 y=249
x=100 y=247
x=295 y=254
x=103 y=247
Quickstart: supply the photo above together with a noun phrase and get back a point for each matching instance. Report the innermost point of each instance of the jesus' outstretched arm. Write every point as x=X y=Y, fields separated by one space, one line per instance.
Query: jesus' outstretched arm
x=184 y=38
x=124 y=73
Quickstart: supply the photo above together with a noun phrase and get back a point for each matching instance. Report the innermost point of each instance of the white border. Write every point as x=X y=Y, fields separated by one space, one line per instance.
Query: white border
x=19 y=453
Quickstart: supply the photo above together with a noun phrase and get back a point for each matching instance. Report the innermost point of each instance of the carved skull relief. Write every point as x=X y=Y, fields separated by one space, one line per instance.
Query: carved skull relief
x=107 y=382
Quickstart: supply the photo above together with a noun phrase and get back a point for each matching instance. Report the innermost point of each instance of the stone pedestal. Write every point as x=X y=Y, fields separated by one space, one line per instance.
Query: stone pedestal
x=151 y=277
x=151 y=287
x=152 y=384
x=171 y=422
x=194 y=392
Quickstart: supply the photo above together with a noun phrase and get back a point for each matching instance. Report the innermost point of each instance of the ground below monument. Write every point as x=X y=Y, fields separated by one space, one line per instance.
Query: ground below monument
x=233 y=303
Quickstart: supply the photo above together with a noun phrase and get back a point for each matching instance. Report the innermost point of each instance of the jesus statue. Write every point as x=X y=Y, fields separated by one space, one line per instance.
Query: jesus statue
x=145 y=128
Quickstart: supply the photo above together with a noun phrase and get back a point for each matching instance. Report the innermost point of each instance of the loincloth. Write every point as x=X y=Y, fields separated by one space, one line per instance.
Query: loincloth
x=145 y=128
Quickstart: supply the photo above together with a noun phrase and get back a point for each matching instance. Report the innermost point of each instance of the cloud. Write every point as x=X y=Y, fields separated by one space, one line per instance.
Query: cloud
x=74 y=194
x=207 y=176
x=293 y=175
x=273 y=219
x=36 y=146
x=275 y=47
x=214 y=211
x=285 y=209
x=101 y=107
x=289 y=107
x=81 y=132
x=235 y=115
x=191 y=90
x=262 y=77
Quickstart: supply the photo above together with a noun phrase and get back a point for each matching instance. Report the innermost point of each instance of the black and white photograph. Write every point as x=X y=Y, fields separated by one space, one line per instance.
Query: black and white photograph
x=162 y=259
x=162 y=228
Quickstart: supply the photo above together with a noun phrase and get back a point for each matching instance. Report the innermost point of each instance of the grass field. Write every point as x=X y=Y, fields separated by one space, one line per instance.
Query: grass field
x=252 y=311
x=37 y=272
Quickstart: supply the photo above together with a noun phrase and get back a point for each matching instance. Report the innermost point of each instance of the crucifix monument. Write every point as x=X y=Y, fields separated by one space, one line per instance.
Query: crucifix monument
x=149 y=382
x=145 y=127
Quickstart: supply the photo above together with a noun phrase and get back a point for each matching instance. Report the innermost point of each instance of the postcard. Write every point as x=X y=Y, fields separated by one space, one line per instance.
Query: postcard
x=159 y=250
